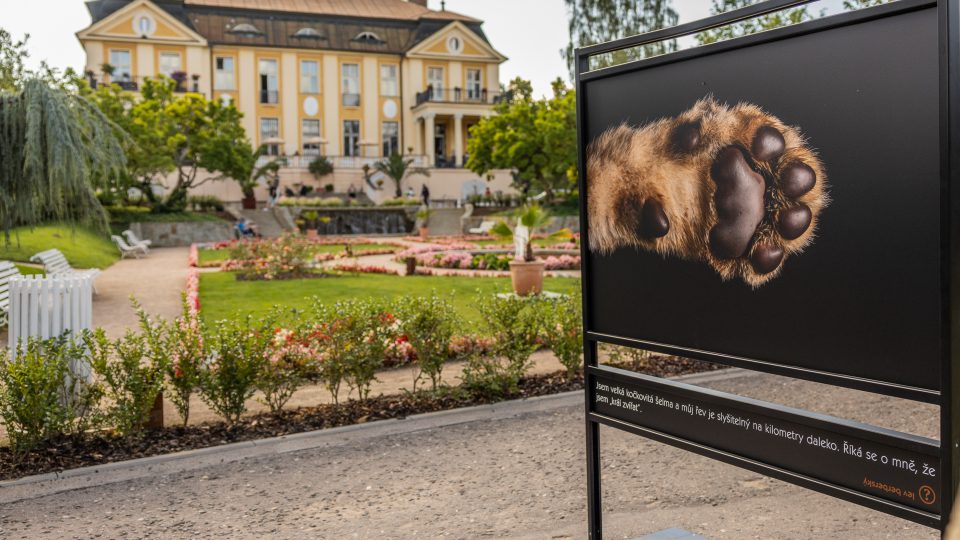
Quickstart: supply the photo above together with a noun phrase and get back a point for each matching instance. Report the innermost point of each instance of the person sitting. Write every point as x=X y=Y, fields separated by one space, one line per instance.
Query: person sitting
x=352 y=191
x=245 y=229
x=409 y=192
x=287 y=192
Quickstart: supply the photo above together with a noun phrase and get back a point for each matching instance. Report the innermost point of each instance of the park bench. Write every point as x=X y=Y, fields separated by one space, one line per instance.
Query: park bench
x=7 y=271
x=484 y=228
x=126 y=249
x=55 y=264
x=134 y=241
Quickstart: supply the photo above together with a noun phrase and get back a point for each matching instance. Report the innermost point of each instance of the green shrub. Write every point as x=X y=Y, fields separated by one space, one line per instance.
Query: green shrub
x=289 y=360
x=131 y=372
x=402 y=201
x=357 y=333
x=428 y=323
x=205 y=203
x=512 y=322
x=185 y=342
x=320 y=167
x=563 y=331
x=44 y=392
x=228 y=377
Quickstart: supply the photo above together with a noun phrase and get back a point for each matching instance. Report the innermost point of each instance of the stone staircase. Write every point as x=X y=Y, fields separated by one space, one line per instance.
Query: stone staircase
x=267 y=223
x=446 y=221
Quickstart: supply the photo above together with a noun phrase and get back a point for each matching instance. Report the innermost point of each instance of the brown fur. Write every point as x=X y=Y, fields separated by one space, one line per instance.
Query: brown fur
x=627 y=166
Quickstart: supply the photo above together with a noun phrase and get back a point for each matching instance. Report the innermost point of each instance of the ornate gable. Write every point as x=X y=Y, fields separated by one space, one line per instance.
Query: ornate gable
x=456 y=41
x=141 y=20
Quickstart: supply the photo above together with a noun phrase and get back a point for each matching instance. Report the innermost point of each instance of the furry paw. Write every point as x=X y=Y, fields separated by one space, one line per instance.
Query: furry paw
x=730 y=186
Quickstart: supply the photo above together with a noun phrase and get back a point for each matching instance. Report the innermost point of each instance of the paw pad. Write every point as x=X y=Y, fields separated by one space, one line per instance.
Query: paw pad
x=739 y=203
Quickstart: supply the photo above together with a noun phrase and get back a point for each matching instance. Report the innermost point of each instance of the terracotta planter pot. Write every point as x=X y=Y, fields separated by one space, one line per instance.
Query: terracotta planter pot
x=424 y=232
x=527 y=277
x=250 y=203
x=312 y=233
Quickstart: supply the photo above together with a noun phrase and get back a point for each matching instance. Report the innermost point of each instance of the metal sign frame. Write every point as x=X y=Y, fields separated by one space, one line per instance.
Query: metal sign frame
x=948 y=12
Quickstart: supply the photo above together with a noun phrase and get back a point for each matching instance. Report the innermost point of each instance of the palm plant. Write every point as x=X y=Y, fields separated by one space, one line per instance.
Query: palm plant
x=57 y=148
x=533 y=217
x=253 y=173
x=397 y=168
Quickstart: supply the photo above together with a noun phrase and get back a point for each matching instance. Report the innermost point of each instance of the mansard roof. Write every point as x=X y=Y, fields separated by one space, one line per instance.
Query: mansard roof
x=306 y=24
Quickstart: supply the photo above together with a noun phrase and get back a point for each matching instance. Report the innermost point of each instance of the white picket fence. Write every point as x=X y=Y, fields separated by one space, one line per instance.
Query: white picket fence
x=48 y=306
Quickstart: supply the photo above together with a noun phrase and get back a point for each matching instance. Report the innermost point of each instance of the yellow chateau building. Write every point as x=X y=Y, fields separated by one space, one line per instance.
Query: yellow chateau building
x=353 y=80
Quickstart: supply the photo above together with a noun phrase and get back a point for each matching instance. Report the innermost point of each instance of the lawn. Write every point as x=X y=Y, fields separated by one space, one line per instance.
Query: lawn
x=216 y=255
x=221 y=296
x=82 y=247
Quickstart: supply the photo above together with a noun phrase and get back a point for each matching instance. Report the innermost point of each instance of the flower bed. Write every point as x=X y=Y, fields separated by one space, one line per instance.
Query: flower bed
x=363 y=269
x=469 y=257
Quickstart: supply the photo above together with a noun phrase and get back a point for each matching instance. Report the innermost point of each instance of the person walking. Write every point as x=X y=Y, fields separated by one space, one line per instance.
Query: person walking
x=425 y=195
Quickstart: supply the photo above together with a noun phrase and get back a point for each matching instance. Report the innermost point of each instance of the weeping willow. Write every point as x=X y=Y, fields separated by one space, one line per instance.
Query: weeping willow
x=56 y=148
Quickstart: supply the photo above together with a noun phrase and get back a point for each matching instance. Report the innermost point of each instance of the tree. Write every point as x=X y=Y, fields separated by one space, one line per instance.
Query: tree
x=851 y=5
x=56 y=147
x=176 y=133
x=536 y=139
x=12 y=55
x=396 y=167
x=751 y=26
x=598 y=21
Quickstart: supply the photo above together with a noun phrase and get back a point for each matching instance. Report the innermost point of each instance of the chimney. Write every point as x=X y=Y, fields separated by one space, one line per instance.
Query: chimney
x=418 y=2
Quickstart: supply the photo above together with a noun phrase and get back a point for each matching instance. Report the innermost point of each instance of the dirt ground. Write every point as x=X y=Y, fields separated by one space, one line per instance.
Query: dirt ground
x=516 y=478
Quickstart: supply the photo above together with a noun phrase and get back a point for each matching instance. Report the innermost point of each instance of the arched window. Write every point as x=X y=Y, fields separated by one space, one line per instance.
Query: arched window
x=309 y=33
x=245 y=29
x=368 y=38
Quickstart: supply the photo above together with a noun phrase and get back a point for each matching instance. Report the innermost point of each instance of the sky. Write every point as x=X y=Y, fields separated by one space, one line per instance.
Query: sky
x=531 y=33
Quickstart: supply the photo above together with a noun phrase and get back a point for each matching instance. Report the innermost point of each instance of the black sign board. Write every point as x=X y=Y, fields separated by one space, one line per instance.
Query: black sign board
x=779 y=202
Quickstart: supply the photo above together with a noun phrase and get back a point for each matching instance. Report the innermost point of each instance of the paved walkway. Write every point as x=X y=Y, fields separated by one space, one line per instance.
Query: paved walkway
x=519 y=477
x=155 y=280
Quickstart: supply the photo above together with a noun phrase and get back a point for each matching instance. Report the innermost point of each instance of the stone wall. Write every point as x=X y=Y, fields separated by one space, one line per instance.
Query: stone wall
x=183 y=233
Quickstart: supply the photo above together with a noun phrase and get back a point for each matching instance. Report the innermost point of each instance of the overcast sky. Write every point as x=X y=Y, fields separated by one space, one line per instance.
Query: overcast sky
x=531 y=33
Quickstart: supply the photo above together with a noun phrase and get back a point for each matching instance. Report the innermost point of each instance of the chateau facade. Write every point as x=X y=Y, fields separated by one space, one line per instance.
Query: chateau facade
x=352 y=80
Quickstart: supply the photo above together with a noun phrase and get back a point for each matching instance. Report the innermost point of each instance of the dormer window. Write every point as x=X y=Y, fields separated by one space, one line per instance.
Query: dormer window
x=309 y=33
x=368 y=38
x=244 y=29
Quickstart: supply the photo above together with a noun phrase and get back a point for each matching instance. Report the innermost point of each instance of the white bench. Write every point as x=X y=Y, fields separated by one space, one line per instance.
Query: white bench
x=55 y=264
x=127 y=249
x=8 y=270
x=484 y=227
x=134 y=241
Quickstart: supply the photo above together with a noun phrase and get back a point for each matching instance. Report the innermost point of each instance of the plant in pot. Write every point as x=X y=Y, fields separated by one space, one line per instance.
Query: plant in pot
x=423 y=216
x=526 y=271
x=249 y=175
x=310 y=217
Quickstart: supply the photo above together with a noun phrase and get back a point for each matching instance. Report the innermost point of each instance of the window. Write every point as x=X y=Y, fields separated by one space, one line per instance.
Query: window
x=270 y=131
x=350 y=84
x=310 y=135
x=435 y=82
x=269 y=83
x=120 y=59
x=368 y=38
x=245 y=29
x=388 y=80
x=390 y=137
x=170 y=63
x=223 y=77
x=474 y=84
x=309 y=77
x=351 y=138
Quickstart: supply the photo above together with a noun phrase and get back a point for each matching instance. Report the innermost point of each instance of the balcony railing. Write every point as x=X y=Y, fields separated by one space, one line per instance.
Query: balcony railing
x=271 y=97
x=339 y=162
x=351 y=100
x=133 y=84
x=458 y=95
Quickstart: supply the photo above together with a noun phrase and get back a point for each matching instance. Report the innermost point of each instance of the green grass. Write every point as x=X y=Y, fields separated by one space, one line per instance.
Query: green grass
x=82 y=247
x=221 y=296
x=218 y=255
x=27 y=270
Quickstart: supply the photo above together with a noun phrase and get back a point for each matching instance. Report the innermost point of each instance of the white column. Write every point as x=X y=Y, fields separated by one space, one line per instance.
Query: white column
x=458 y=138
x=429 y=137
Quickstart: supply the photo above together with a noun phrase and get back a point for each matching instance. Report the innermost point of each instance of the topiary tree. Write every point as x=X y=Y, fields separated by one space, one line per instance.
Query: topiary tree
x=56 y=147
x=320 y=167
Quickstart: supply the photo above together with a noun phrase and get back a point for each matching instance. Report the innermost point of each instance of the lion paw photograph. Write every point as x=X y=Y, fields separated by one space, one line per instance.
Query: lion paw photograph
x=730 y=186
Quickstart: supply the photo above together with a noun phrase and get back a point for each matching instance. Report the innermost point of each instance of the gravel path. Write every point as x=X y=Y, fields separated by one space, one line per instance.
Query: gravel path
x=517 y=478
x=155 y=280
